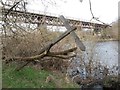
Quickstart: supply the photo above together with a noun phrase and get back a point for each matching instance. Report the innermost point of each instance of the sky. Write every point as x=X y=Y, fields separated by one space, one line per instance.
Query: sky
x=105 y=10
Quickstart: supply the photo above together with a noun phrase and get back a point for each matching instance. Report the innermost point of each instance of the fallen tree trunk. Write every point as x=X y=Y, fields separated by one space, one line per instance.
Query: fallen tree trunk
x=49 y=54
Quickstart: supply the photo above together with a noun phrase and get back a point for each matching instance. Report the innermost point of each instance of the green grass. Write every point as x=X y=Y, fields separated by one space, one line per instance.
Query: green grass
x=30 y=77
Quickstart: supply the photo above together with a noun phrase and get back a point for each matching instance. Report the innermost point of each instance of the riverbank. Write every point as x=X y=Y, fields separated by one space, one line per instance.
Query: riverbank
x=107 y=40
x=30 y=77
x=98 y=39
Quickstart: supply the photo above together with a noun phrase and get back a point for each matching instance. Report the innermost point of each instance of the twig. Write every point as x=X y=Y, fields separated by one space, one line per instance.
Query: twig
x=93 y=17
x=2 y=2
x=91 y=9
x=18 y=69
x=13 y=7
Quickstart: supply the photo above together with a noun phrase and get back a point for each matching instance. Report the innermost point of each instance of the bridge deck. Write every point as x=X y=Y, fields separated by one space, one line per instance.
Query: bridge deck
x=35 y=18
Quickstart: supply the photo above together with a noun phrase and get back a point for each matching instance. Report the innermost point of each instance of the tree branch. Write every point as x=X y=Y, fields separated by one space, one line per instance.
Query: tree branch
x=50 y=54
x=62 y=57
x=56 y=41
x=77 y=40
x=62 y=52
x=13 y=7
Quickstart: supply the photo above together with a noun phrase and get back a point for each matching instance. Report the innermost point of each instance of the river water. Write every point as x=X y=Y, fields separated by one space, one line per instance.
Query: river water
x=105 y=52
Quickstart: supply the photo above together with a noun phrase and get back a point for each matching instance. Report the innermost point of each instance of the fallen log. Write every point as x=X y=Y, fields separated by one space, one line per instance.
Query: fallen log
x=49 y=54
x=61 y=57
x=65 y=52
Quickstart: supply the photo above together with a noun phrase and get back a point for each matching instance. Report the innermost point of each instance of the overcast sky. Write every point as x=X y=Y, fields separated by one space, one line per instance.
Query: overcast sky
x=105 y=10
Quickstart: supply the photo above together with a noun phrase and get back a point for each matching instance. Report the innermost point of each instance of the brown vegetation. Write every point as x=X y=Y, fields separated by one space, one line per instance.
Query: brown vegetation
x=30 y=46
x=112 y=32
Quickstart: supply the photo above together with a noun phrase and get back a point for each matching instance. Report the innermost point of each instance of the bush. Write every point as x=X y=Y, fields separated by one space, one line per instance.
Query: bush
x=30 y=44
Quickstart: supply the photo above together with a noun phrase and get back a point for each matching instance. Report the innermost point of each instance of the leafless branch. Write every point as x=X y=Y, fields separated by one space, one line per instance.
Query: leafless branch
x=13 y=7
x=93 y=17
x=2 y=2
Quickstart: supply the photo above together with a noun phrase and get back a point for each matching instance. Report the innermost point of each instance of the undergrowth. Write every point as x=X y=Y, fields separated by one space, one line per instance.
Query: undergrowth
x=30 y=77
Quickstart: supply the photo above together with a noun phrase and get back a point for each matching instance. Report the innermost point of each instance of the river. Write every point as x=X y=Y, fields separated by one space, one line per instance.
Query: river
x=105 y=52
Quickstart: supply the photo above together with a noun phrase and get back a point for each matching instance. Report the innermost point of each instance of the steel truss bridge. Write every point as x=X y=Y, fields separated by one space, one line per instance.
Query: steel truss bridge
x=40 y=19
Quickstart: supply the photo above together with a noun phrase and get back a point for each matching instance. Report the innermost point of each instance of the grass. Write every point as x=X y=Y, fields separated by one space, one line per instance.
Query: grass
x=30 y=77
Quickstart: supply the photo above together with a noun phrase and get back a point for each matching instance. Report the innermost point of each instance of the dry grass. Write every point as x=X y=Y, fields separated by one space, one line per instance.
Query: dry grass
x=112 y=32
x=31 y=44
x=28 y=45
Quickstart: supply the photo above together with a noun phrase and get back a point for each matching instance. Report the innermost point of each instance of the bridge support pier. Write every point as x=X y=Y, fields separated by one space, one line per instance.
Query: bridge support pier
x=97 y=30
x=41 y=26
